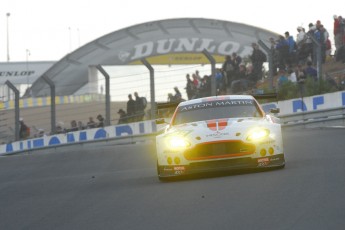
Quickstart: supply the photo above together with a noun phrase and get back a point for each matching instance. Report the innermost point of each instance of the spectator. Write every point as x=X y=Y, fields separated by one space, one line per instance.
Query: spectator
x=59 y=128
x=337 y=32
x=258 y=58
x=40 y=133
x=171 y=97
x=324 y=37
x=237 y=84
x=311 y=52
x=228 y=69
x=205 y=87
x=189 y=87
x=310 y=71
x=282 y=78
x=74 y=126
x=282 y=48
x=274 y=55
x=219 y=80
x=139 y=107
x=24 y=130
x=292 y=49
x=81 y=125
x=123 y=116
x=300 y=37
x=196 y=81
x=250 y=77
x=100 y=121
x=292 y=76
x=178 y=95
x=236 y=61
x=130 y=108
x=197 y=74
x=91 y=123
x=300 y=74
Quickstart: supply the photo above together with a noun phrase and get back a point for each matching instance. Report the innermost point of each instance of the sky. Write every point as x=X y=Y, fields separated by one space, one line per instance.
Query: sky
x=47 y=30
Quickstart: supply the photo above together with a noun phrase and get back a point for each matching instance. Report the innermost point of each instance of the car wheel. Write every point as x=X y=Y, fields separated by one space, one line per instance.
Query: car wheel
x=159 y=173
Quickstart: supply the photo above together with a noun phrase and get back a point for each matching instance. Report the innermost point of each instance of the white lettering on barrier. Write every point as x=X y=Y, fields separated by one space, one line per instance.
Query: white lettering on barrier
x=325 y=101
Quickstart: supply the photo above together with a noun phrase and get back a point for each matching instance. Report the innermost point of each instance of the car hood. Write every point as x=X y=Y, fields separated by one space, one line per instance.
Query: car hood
x=233 y=128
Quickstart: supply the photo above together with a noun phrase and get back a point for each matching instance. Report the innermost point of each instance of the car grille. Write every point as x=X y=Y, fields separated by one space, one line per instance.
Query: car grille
x=222 y=149
x=238 y=162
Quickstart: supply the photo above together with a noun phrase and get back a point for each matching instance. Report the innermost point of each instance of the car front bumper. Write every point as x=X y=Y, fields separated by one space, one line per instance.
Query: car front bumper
x=221 y=165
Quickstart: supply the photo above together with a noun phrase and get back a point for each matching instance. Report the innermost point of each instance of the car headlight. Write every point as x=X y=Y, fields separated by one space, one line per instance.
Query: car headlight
x=258 y=134
x=177 y=143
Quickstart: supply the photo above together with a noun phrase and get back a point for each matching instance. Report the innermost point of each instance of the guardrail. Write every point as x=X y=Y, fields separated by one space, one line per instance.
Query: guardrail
x=317 y=118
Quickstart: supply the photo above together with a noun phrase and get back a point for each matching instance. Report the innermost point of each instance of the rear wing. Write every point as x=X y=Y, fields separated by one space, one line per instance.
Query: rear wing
x=268 y=96
x=265 y=96
x=166 y=105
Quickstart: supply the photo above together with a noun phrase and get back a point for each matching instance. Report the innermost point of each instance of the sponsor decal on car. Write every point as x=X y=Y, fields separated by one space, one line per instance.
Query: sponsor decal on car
x=179 y=168
x=263 y=161
x=215 y=104
x=266 y=159
x=267 y=142
x=275 y=159
x=217 y=134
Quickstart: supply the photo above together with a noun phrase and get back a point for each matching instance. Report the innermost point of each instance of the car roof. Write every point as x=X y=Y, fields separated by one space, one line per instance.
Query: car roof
x=217 y=98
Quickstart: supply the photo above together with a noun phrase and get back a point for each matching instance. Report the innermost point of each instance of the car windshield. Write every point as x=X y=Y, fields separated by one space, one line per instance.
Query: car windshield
x=216 y=110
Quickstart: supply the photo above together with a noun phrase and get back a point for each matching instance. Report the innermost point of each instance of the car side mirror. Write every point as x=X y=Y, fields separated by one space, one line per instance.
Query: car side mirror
x=160 y=121
x=275 y=110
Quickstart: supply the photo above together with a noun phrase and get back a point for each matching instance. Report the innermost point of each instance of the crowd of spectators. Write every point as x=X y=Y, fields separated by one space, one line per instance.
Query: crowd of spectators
x=135 y=109
x=26 y=132
x=234 y=76
x=76 y=126
x=293 y=60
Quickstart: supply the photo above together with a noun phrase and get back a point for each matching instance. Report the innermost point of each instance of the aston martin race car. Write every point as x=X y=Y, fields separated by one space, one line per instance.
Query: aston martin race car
x=219 y=133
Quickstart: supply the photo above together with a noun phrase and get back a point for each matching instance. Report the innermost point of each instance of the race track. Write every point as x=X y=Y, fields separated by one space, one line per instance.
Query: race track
x=115 y=187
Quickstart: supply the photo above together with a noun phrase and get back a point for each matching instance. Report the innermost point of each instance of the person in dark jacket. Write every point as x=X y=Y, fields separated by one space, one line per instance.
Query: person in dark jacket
x=258 y=58
x=130 y=108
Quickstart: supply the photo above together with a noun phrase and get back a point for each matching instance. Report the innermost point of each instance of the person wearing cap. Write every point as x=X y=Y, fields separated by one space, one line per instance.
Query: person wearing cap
x=300 y=36
x=123 y=116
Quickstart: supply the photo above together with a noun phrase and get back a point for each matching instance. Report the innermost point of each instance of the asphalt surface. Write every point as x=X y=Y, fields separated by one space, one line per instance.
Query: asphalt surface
x=115 y=187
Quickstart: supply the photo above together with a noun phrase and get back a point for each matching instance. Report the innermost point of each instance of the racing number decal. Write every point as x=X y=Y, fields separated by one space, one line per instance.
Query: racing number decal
x=179 y=170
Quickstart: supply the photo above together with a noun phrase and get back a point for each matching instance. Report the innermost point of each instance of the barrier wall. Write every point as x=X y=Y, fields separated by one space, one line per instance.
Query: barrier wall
x=308 y=104
x=80 y=136
x=319 y=102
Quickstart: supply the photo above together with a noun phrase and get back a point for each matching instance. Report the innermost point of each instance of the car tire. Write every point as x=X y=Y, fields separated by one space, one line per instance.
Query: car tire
x=159 y=173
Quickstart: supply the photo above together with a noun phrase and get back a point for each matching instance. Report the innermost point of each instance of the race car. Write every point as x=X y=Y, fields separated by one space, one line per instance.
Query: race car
x=219 y=133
